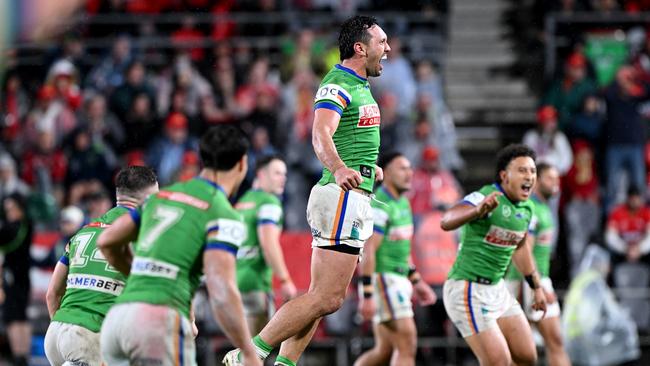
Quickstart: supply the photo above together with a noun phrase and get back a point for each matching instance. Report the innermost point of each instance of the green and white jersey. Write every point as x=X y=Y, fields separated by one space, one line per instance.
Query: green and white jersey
x=543 y=230
x=394 y=220
x=176 y=226
x=487 y=244
x=92 y=284
x=357 y=135
x=257 y=208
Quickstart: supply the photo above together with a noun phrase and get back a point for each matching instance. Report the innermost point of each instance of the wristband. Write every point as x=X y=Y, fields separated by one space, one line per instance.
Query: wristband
x=413 y=275
x=365 y=280
x=531 y=281
x=367 y=295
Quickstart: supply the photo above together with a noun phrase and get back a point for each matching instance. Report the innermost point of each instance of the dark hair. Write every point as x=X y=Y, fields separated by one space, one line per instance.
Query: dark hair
x=221 y=147
x=134 y=179
x=19 y=199
x=354 y=30
x=509 y=153
x=542 y=167
x=265 y=160
x=386 y=158
x=633 y=190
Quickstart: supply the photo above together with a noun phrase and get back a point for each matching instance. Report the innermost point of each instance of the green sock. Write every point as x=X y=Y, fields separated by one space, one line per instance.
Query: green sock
x=283 y=361
x=261 y=347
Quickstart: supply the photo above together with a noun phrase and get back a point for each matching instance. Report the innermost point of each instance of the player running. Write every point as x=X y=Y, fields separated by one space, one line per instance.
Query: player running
x=495 y=221
x=83 y=286
x=345 y=136
x=260 y=255
x=540 y=239
x=388 y=277
x=183 y=231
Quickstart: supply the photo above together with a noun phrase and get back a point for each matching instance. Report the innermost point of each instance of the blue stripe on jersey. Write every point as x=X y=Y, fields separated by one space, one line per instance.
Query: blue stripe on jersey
x=180 y=345
x=466 y=202
x=221 y=246
x=469 y=304
x=64 y=260
x=213 y=228
x=266 y=222
x=342 y=218
x=135 y=216
x=342 y=95
x=378 y=230
x=330 y=106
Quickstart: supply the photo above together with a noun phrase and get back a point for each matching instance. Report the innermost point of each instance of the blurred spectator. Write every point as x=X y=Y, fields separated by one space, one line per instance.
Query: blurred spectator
x=72 y=50
x=134 y=85
x=260 y=147
x=392 y=121
x=186 y=92
x=597 y=330
x=582 y=210
x=223 y=27
x=88 y=167
x=550 y=144
x=109 y=74
x=51 y=114
x=265 y=113
x=298 y=99
x=433 y=188
x=624 y=134
x=220 y=106
x=140 y=123
x=429 y=83
x=188 y=35
x=259 y=81
x=397 y=77
x=303 y=53
x=71 y=219
x=262 y=28
x=165 y=154
x=65 y=78
x=190 y=167
x=10 y=183
x=15 y=241
x=45 y=166
x=14 y=108
x=104 y=128
x=628 y=230
x=587 y=124
x=97 y=203
x=568 y=93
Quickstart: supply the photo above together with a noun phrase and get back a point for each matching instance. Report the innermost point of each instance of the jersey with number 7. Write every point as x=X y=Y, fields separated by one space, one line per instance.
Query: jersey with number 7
x=176 y=225
x=92 y=284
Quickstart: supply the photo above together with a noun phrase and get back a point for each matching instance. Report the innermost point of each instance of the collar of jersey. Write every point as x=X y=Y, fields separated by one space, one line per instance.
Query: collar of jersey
x=349 y=71
x=215 y=185
x=390 y=195
x=498 y=186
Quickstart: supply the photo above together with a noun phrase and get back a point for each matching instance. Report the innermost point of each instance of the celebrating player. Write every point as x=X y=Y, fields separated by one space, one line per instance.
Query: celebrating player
x=183 y=231
x=83 y=286
x=261 y=252
x=388 y=277
x=495 y=221
x=345 y=136
x=540 y=239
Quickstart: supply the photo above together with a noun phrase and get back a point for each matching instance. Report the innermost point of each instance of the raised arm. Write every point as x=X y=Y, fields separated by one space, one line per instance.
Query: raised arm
x=473 y=207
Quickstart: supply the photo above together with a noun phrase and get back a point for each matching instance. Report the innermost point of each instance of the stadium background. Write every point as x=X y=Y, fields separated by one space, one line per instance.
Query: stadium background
x=135 y=82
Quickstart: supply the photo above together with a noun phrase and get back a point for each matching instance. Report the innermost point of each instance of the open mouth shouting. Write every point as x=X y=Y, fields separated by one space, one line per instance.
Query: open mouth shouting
x=527 y=188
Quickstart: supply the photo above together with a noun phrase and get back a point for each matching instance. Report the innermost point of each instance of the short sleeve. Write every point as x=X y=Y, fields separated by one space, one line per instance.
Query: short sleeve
x=380 y=220
x=474 y=198
x=225 y=234
x=136 y=214
x=533 y=225
x=65 y=258
x=269 y=213
x=333 y=97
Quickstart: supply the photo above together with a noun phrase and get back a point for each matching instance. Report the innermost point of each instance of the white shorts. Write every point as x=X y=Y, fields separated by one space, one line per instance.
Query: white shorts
x=524 y=294
x=73 y=344
x=338 y=217
x=392 y=296
x=258 y=303
x=474 y=307
x=145 y=334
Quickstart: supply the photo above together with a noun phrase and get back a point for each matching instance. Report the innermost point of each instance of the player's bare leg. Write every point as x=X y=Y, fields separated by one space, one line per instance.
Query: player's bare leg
x=331 y=273
x=256 y=322
x=293 y=347
x=383 y=349
x=404 y=336
x=517 y=333
x=490 y=347
x=555 y=353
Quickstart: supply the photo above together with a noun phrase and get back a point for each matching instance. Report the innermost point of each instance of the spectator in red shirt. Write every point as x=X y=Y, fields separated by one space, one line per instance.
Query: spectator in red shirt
x=433 y=188
x=189 y=34
x=628 y=230
x=45 y=166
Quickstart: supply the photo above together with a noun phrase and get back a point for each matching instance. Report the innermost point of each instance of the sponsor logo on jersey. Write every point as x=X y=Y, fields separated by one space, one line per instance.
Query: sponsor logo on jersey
x=401 y=233
x=154 y=268
x=184 y=198
x=369 y=116
x=102 y=284
x=506 y=211
x=334 y=93
x=245 y=205
x=503 y=237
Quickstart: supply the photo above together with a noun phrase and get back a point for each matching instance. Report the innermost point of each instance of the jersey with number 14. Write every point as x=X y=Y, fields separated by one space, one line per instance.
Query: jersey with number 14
x=176 y=226
x=92 y=285
x=487 y=244
x=357 y=134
